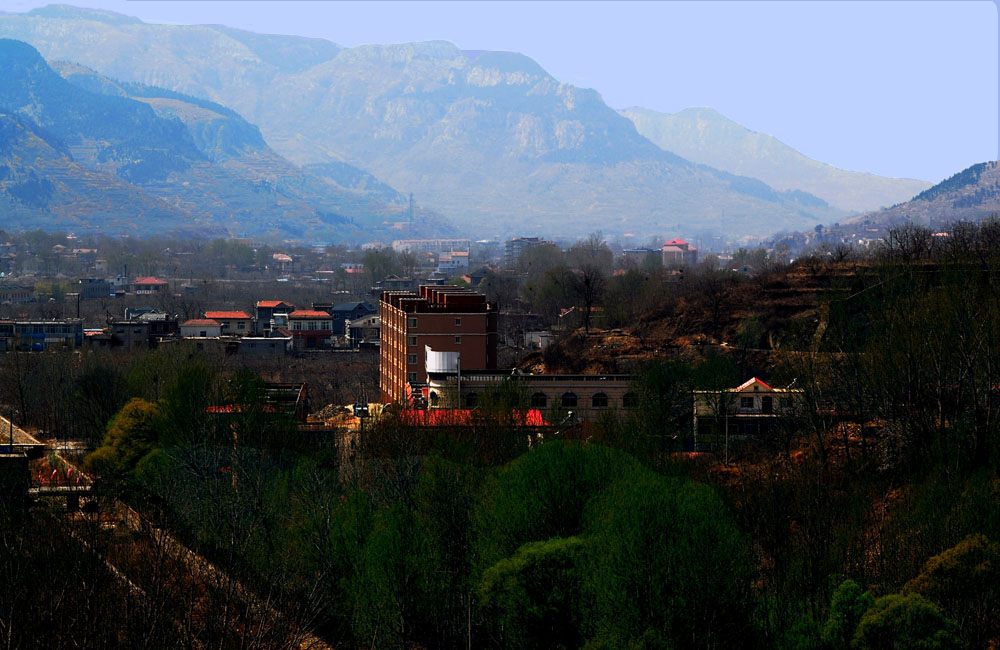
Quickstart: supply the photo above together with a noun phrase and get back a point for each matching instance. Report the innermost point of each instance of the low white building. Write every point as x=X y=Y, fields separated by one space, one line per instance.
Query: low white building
x=201 y=328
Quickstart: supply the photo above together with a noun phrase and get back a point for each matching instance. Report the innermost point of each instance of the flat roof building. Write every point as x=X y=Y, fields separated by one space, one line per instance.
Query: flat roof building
x=445 y=318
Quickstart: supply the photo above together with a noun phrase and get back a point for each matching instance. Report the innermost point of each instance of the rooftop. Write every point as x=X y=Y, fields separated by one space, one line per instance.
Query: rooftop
x=308 y=313
x=226 y=315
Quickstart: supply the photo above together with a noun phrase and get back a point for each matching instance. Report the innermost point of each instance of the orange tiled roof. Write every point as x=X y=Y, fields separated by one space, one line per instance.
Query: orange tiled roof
x=309 y=313
x=227 y=315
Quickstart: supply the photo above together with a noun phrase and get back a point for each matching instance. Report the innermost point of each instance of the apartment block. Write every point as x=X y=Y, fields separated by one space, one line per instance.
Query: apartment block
x=443 y=318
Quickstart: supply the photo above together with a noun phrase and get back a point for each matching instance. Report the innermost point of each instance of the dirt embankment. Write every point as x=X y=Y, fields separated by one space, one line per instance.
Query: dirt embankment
x=737 y=313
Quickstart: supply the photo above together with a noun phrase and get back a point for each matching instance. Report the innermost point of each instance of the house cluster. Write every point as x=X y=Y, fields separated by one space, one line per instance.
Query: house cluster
x=276 y=328
x=279 y=327
x=674 y=254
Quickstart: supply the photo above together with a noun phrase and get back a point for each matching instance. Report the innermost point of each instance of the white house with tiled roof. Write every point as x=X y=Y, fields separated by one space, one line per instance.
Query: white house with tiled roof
x=748 y=411
x=201 y=328
x=236 y=323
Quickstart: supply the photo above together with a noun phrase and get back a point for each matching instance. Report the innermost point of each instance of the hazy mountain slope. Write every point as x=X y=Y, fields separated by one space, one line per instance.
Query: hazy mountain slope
x=706 y=136
x=488 y=137
x=42 y=187
x=971 y=194
x=197 y=156
x=337 y=191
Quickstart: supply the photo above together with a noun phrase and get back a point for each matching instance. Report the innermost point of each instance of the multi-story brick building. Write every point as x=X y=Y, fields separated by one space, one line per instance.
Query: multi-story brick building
x=444 y=318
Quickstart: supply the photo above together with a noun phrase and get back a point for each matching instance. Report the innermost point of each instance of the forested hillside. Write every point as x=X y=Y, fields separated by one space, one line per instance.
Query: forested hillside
x=867 y=521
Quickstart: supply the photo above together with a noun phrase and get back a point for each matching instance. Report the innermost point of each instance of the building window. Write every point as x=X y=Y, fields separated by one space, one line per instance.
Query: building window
x=411 y=340
x=411 y=358
x=470 y=400
x=204 y=333
x=458 y=340
x=413 y=322
x=458 y=322
x=568 y=400
x=746 y=402
x=539 y=400
x=785 y=402
x=599 y=401
x=630 y=400
x=411 y=377
x=241 y=325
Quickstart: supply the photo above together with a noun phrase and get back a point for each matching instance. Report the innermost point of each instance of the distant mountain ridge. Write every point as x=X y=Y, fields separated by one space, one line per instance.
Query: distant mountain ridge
x=488 y=137
x=209 y=169
x=971 y=194
x=706 y=136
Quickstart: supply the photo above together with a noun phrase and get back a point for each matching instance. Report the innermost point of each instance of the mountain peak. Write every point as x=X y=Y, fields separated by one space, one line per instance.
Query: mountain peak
x=704 y=113
x=505 y=62
x=69 y=12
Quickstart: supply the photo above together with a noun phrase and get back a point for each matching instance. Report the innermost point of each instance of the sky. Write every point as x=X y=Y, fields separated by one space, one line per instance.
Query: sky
x=896 y=88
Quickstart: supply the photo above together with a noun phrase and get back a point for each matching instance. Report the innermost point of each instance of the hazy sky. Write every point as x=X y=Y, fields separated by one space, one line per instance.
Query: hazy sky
x=905 y=89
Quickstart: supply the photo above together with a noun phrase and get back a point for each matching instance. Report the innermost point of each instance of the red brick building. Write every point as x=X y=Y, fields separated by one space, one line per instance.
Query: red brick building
x=444 y=318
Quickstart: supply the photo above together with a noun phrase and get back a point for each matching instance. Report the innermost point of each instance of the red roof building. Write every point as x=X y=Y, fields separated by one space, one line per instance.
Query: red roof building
x=232 y=322
x=677 y=253
x=311 y=329
x=201 y=328
x=149 y=285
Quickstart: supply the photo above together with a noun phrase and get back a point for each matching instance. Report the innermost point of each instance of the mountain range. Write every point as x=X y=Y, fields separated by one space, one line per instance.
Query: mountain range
x=175 y=163
x=704 y=135
x=488 y=139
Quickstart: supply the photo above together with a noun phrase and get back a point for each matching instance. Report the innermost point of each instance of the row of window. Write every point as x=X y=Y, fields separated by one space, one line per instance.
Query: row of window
x=44 y=329
x=311 y=325
x=766 y=403
x=566 y=400
x=413 y=322
x=570 y=400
